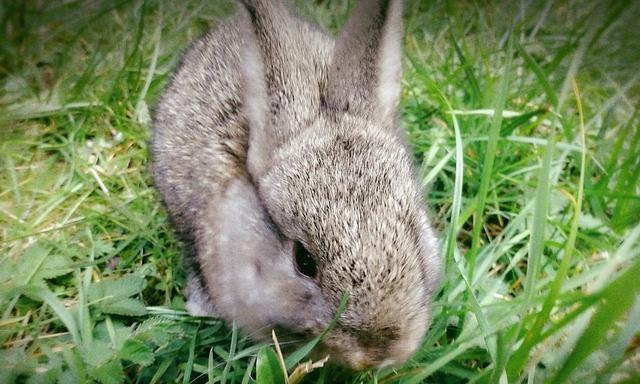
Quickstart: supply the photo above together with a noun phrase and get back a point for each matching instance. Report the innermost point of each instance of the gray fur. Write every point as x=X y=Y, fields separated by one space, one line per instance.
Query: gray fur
x=272 y=132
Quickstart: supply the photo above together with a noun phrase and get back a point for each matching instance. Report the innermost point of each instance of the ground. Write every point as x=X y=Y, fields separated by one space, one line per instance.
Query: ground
x=523 y=117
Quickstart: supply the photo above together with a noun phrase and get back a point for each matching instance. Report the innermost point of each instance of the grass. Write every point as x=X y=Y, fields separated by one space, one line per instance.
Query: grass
x=523 y=117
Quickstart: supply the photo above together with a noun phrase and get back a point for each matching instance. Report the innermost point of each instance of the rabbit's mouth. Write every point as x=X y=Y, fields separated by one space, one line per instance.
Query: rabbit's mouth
x=353 y=357
x=342 y=349
x=354 y=353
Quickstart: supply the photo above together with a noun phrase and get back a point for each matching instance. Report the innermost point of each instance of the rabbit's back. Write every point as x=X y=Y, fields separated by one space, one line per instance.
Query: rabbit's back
x=200 y=136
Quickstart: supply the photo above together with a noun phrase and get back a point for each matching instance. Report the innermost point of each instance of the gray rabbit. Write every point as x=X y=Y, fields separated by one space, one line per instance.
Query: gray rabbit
x=279 y=154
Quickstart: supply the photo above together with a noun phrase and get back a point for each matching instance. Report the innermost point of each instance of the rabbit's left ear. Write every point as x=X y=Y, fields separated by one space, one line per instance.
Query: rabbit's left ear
x=366 y=71
x=277 y=68
x=265 y=32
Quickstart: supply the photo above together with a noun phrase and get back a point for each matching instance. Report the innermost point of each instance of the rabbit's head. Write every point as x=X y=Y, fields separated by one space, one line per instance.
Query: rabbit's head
x=337 y=184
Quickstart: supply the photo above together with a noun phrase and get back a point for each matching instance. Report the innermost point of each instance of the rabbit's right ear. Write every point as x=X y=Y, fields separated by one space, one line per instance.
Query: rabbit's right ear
x=366 y=71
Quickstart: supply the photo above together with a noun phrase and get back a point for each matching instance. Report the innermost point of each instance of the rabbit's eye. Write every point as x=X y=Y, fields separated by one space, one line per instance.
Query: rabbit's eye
x=304 y=262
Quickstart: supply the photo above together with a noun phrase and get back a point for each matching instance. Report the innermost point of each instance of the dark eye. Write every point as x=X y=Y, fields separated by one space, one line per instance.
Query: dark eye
x=305 y=263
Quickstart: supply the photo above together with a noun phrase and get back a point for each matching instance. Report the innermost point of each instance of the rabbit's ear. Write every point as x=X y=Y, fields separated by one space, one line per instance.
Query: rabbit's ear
x=256 y=103
x=366 y=71
x=255 y=95
x=274 y=69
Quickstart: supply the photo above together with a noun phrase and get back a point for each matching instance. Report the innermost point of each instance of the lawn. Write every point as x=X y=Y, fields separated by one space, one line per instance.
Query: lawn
x=523 y=117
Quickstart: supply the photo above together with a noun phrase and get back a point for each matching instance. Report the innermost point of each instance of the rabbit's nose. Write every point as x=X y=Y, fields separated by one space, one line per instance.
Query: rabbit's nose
x=387 y=363
x=360 y=360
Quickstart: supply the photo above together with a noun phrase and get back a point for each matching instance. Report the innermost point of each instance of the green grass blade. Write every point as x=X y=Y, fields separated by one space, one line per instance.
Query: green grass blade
x=620 y=350
x=76 y=85
x=157 y=376
x=536 y=247
x=247 y=374
x=519 y=358
x=536 y=244
x=489 y=158
x=467 y=67
x=210 y=366
x=617 y=298
x=192 y=354
x=45 y=295
x=540 y=75
x=232 y=351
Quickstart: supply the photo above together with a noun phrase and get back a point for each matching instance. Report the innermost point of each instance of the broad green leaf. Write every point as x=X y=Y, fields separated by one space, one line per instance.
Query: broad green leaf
x=109 y=373
x=125 y=307
x=268 y=369
x=137 y=352
x=112 y=296
x=113 y=332
x=37 y=264
x=97 y=352
x=119 y=288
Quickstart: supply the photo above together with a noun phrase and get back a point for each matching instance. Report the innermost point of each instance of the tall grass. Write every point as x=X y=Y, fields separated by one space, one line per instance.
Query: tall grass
x=523 y=117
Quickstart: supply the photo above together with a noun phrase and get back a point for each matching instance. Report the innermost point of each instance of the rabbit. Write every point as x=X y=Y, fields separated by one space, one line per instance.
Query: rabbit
x=278 y=152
